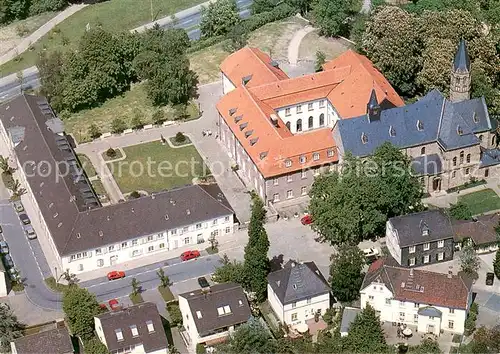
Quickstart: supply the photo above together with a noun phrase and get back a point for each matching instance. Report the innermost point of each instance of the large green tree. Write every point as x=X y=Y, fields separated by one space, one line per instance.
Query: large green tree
x=496 y=264
x=427 y=346
x=365 y=333
x=10 y=328
x=332 y=16
x=80 y=307
x=218 y=18
x=469 y=261
x=229 y=271
x=50 y=70
x=251 y=338
x=346 y=272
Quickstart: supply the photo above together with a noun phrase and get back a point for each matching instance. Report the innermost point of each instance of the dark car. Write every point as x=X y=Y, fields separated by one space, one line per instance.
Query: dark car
x=24 y=218
x=490 y=278
x=7 y=260
x=203 y=282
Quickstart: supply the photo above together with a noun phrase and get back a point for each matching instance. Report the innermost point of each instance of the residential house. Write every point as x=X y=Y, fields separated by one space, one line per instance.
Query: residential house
x=210 y=315
x=55 y=341
x=433 y=302
x=481 y=231
x=420 y=238
x=4 y=280
x=298 y=292
x=84 y=235
x=348 y=316
x=136 y=329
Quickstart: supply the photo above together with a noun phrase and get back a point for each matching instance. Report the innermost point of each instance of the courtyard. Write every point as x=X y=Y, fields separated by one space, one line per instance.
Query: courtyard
x=481 y=201
x=153 y=167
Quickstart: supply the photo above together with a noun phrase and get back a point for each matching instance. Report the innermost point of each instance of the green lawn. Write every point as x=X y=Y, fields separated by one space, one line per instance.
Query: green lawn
x=168 y=167
x=99 y=189
x=481 y=201
x=136 y=299
x=113 y=15
x=87 y=165
x=166 y=294
x=52 y=285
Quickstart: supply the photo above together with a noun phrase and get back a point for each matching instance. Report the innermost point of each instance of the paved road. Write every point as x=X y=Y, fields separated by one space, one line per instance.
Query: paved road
x=188 y=19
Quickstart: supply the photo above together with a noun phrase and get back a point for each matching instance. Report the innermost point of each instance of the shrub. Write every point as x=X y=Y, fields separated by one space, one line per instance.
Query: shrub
x=460 y=211
x=118 y=126
x=22 y=30
x=158 y=117
x=175 y=313
x=135 y=195
x=94 y=131
x=111 y=152
x=136 y=122
x=180 y=138
x=200 y=349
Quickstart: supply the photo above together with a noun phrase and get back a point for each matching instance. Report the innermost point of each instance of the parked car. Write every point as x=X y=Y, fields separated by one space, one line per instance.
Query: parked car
x=30 y=232
x=24 y=218
x=18 y=206
x=7 y=260
x=114 y=304
x=203 y=282
x=4 y=247
x=14 y=274
x=306 y=220
x=187 y=255
x=490 y=278
x=116 y=274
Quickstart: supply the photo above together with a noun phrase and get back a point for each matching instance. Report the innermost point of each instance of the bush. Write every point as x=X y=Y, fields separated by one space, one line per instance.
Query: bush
x=135 y=195
x=460 y=211
x=180 y=138
x=136 y=122
x=158 y=117
x=40 y=6
x=94 y=131
x=175 y=313
x=111 y=152
x=200 y=349
x=22 y=30
x=118 y=126
x=470 y=322
x=256 y=21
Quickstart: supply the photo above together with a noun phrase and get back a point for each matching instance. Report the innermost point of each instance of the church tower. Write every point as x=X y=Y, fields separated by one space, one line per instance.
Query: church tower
x=373 y=108
x=460 y=74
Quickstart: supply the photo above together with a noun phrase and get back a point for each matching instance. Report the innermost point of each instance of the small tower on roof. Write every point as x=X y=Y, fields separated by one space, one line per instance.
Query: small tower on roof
x=460 y=74
x=373 y=108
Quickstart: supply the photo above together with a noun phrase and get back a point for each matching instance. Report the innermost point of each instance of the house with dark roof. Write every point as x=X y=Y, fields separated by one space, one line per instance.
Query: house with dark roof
x=135 y=329
x=83 y=234
x=481 y=232
x=54 y=341
x=298 y=292
x=432 y=302
x=420 y=238
x=210 y=315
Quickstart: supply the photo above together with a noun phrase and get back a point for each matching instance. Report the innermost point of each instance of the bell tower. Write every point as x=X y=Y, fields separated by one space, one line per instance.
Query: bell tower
x=373 y=108
x=460 y=74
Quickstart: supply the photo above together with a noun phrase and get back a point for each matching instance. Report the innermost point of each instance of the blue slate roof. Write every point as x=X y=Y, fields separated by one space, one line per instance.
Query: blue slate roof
x=427 y=165
x=462 y=61
x=348 y=317
x=489 y=157
x=431 y=119
x=429 y=311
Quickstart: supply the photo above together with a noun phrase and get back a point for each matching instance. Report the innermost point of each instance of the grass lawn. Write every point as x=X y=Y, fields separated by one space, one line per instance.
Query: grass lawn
x=166 y=294
x=87 y=165
x=124 y=107
x=99 y=189
x=52 y=285
x=211 y=250
x=331 y=47
x=136 y=299
x=17 y=287
x=169 y=167
x=481 y=201
x=112 y=15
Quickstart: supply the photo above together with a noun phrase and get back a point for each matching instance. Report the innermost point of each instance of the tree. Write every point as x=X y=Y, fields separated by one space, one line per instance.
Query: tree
x=259 y=6
x=460 y=211
x=95 y=346
x=50 y=70
x=496 y=264
x=427 y=346
x=229 y=271
x=80 y=307
x=320 y=60
x=136 y=122
x=365 y=333
x=4 y=165
x=17 y=190
x=332 y=16
x=111 y=153
x=69 y=277
x=218 y=18
x=136 y=287
x=164 y=279
x=10 y=328
x=213 y=242
x=158 y=117
x=237 y=38
x=180 y=138
x=94 y=131
x=118 y=126
x=256 y=265
x=469 y=261
x=251 y=338
x=346 y=272
x=180 y=111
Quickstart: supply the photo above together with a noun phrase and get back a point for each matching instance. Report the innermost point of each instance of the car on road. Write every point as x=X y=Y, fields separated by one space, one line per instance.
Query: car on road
x=24 y=218
x=14 y=274
x=114 y=304
x=4 y=247
x=187 y=255
x=490 y=278
x=7 y=260
x=116 y=274
x=18 y=206
x=30 y=232
x=306 y=220
x=203 y=282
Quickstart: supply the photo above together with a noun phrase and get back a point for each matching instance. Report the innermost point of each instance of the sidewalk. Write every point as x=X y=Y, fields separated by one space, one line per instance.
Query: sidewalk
x=39 y=33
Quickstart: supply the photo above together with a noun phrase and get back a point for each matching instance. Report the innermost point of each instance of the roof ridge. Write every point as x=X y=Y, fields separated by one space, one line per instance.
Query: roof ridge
x=267 y=67
x=211 y=196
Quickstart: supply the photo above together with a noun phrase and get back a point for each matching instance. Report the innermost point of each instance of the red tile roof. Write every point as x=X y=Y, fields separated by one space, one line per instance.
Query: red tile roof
x=422 y=287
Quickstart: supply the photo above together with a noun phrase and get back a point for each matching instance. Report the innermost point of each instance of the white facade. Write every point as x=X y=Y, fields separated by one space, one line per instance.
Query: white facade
x=391 y=310
x=227 y=85
x=300 y=311
x=392 y=241
x=3 y=283
x=117 y=253
x=309 y=115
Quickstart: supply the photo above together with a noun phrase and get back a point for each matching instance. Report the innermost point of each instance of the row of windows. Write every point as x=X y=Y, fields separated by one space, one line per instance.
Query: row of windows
x=289 y=194
x=426 y=259
x=310 y=123
x=310 y=107
x=426 y=246
x=289 y=178
x=316 y=157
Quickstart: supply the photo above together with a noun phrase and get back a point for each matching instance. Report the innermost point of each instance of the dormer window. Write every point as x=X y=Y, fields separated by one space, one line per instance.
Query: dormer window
x=151 y=327
x=460 y=131
x=420 y=125
x=302 y=159
x=475 y=118
x=119 y=334
x=392 y=131
x=232 y=111
x=134 y=331
x=288 y=163
x=364 y=138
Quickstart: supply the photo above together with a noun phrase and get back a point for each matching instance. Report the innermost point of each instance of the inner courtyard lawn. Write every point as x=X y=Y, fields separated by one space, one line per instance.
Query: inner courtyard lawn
x=481 y=201
x=154 y=167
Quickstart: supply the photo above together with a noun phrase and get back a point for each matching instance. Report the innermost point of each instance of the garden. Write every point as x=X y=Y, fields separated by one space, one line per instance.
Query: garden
x=481 y=201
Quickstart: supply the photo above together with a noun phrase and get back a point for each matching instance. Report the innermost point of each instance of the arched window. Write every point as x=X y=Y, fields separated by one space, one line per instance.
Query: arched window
x=288 y=125
x=455 y=161
x=422 y=151
x=468 y=158
x=493 y=140
x=310 y=122
x=481 y=137
x=486 y=173
x=299 y=125
x=461 y=157
x=321 y=119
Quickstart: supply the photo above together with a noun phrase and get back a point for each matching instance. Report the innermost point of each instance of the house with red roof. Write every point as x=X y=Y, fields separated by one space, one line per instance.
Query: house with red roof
x=432 y=302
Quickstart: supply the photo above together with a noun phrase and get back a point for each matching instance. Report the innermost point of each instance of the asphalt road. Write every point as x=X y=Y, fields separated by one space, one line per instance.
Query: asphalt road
x=9 y=86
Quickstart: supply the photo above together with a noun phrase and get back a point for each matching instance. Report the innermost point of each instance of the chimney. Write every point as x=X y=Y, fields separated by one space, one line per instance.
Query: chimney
x=274 y=119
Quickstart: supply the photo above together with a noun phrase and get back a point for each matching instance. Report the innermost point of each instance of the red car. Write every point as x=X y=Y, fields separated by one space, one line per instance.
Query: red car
x=306 y=219
x=186 y=256
x=116 y=275
x=114 y=304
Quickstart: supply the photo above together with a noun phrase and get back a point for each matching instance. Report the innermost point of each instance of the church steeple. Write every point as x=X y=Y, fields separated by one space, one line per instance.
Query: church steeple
x=460 y=74
x=373 y=108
